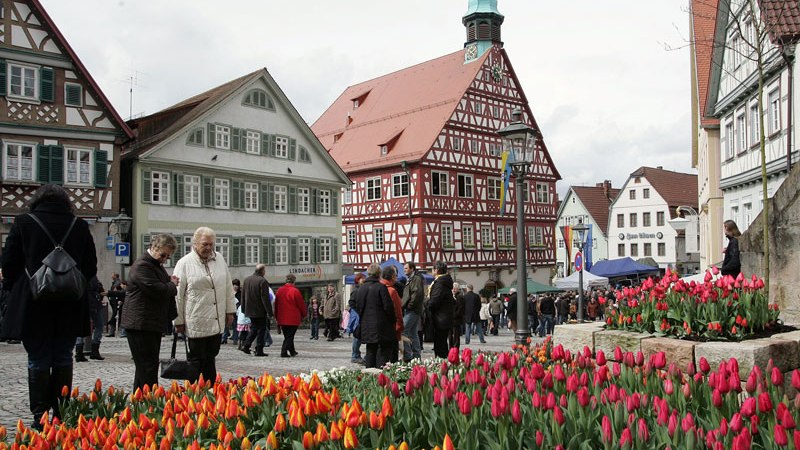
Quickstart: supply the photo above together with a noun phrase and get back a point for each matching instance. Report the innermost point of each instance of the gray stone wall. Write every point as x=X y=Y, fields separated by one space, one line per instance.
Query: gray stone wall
x=784 y=248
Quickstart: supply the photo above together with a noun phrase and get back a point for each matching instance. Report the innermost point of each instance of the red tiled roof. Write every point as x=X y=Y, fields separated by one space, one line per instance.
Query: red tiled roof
x=676 y=188
x=783 y=20
x=703 y=22
x=597 y=201
x=411 y=104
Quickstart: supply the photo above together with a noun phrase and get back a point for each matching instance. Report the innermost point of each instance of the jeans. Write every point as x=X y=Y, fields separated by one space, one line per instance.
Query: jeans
x=533 y=323
x=547 y=324
x=145 y=347
x=203 y=354
x=315 y=328
x=474 y=326
x=44 y=353
x=495 y=323
x=356 y=352
x=411 y=323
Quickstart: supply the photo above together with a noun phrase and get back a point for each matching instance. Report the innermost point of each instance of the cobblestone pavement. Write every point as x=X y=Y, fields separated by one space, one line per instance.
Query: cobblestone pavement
x=117 y=368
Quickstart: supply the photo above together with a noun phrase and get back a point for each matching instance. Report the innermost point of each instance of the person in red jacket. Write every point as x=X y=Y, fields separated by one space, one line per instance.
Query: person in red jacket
x=290 y=310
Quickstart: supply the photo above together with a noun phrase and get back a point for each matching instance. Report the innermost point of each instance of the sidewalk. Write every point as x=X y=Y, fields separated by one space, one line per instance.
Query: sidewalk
x=117 y=369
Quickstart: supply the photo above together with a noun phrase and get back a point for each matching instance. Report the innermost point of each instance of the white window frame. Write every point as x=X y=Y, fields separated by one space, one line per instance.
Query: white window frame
x=324 y=202
x=186 y=241
x=747 y=213
x=23 y=81
x=646 y=219
x=755 y=120
x=440 y=179
x=542 y=192
x=76 y=170
x=253 y=142
x=741 y=132
x=729 y=140
x=252 y=251
x=347 y=195
x=159 y=187
x=80 y=100
x=282 y=147
x=647 y=249
x=373 y=188
x=661 y=249
x=633 y=219
x=352 y=240
x=659 y=218
x=620 y=250
x=222 y=136
x=303 y=200
x=325 y=250
x=378 y=239
x=281 y=247
x=400 y=186
x=280 y=198
x=774 y=111
x=304 y=250
x=222 y=245
x=536 y=236
x=493 y=188
x=222 y=193
x=487 y=236
x=191 y=190
x=21 y=160
x=646 y=193
x=465 y=185
x=447 y=236
x=620 y=220
x=251 y=192
x=457 y=144
x=468 y=235
x=632 y=194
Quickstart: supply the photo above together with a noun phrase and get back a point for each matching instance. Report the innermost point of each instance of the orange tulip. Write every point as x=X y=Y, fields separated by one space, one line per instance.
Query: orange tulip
x=189 y=429
x=246 y=445
x=280 y=423
x=448 y=443
x=403 y=446
x=98 y=385
x=322 y=433
x=387 y=409
x=315 y=384
x=222 y=430
x=240 y=429
x=202 y=421
x=336 y=430
x=308 y=440
x=350 y=440
x=272 y=440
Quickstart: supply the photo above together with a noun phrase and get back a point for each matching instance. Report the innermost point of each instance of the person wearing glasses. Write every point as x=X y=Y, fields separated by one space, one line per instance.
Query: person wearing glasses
x=149 y=298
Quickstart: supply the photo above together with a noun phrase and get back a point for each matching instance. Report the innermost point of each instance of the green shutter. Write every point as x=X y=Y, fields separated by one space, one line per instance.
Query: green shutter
x=178 y=189
x=293 y=250
x=264 y=144
x=335 y=250
x=334 y=202
x=263 y=204
x=272 y=145
x=100 y=168
x=292 y=199
x=237 y=202
x=47 y=84
x=315 y=249
x=3 y=77
x=237 y=251
x=146 y=238
x=236 y=139
x=178 y=253
x=268 y=250
x=44 y=164
x=208 y=192
x=313 y=201
x=212 y=137
x=73 y=95
x=147 y=186
x=56 y=164
x=270 y=198
x=292 y=149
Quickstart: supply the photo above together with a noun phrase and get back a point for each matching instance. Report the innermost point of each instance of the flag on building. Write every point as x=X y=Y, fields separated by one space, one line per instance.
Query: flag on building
x=566 y=231
x=505 y=164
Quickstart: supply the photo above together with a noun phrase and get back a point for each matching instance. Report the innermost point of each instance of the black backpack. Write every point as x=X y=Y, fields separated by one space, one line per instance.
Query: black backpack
x=58 y=279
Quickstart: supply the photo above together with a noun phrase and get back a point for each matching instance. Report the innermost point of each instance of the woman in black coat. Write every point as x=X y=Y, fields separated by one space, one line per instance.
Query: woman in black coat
x=149 y=304
x=48 y=329
x=442 y=306
x=376 y=319
x=731 y=265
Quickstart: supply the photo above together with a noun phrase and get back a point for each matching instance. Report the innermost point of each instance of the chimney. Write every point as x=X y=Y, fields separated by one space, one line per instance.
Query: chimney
x=660 y=167
x=607 y=189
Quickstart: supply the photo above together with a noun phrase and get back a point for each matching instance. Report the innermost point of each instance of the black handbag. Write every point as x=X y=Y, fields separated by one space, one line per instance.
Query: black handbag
x=178 y=369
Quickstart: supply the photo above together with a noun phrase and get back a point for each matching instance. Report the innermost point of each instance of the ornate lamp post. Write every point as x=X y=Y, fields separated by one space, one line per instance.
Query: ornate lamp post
x=122 y=225
x=581 y=229
x=519 y=140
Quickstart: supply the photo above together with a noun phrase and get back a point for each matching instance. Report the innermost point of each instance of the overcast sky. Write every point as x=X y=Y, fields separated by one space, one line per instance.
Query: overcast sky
x=607 y=91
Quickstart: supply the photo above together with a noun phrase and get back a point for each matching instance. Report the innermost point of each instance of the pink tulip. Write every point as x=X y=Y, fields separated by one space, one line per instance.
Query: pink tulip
x=516 y=412
x=643 y=432
x=558 y=415
x=668 y=386
x=672 y=425
x=583 y=396
x=601 y=358
x=625 y=439
x=704 y=366
x=659 y=360
x=748 y=407
x=558 y=373
x=715 y=270
x=466 y=356
x=605 y=426
x=716 y=398
x=787 y=420
x=687 y=423
x=536 y=400
x=617 y=354
x=539 y=438
x=723 y=427
x=780 y=436
x=452 y=355
x=777 y=377
x=796 y=438
x=764 y=402
x=796 y=379
x=640 y=359
x=572 y=383
x=752 y=383
x=395 y=389
x=737 y=423
x=477 y=398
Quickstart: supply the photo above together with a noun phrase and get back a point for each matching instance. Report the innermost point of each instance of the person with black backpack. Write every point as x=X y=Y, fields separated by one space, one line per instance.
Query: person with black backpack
x=47 y=324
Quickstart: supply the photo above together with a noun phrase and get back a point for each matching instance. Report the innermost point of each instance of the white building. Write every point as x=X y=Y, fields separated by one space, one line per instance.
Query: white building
x=639 y=219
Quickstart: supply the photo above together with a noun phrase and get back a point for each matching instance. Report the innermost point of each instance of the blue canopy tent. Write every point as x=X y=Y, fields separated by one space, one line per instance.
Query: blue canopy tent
x=622 y=267
x=401 y=276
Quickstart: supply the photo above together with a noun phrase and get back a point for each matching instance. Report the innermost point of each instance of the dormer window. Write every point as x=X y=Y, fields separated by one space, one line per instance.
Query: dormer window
x=384 y=150
x=359 y=99
x=387 y=144
x=336 y=137
x=355 y=104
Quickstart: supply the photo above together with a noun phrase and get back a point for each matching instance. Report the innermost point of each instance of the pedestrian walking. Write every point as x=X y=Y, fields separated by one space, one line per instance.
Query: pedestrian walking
x=332 y=312
x=454 y=338
x=290 y=310
x=413 y=306
x=376 y=318
x=355 y=319
x=314 y=315
x=441 y=308
x=257 y=306
x=388 y=279
x=472 y=315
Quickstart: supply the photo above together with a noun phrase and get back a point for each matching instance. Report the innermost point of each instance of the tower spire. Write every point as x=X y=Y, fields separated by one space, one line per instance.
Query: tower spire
x=482 y=21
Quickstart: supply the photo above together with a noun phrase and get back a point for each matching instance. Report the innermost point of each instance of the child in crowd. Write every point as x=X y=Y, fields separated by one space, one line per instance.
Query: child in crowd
x=314 y=317
x=242 y=326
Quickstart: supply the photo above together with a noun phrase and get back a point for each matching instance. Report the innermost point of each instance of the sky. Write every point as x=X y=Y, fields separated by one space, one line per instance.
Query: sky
x=608 y=81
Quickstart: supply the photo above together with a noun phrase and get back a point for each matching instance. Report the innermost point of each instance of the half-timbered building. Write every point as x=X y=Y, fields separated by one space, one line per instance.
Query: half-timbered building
x=239 y=159
x=56 y=125
x=422 y=149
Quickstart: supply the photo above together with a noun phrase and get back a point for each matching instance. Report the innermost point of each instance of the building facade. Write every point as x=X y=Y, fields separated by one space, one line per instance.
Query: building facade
x=56 y=126
x=639 y=219
x=422 y=149
x=239 y=159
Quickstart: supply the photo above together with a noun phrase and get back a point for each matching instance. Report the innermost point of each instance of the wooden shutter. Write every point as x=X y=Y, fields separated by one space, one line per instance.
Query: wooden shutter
x=237 y=251
x=268 y=250
x=3 y=77
x=237 y=202
x=178 y=253
x=292 y=149
x=147 y=186
x=178 y=189
x=292 y=199
x=315 y=250
x=208 y=192
x=313 y=201
x=236 y=139
x=263 y=204
x=146 y=239
x=335 y=250
x=73 y=95
x=57 y=164
x=293 y=250
x=100 y=168
x=272 y=145
x=334 y=202
x=270 y=197
x=212 y=135
x=47 y=84
x=44 y=163
x=265 y=144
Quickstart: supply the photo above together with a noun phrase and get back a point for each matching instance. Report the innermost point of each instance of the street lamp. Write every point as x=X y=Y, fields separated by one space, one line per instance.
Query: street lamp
x=581 y=229
x=519 y=140
x=121 y=225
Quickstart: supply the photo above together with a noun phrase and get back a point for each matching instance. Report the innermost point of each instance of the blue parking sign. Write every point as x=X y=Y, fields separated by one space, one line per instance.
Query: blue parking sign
x=122 y=249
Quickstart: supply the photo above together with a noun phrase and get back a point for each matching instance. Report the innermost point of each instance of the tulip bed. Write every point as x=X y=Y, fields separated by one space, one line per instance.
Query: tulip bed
x=725 y=308
x=529 y=397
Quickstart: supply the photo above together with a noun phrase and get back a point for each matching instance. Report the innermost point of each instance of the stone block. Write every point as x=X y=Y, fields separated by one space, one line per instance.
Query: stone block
x=785 y=354
x=677 y=351
x=628 y=341
x=574 y=337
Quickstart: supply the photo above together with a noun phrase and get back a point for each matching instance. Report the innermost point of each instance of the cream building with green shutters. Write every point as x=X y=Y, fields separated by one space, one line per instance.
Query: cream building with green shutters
x=239 y=159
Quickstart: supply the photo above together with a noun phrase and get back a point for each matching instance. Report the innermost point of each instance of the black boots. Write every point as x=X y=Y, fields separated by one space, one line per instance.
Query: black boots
x=79 y=353
x=39 y=394
x=60 y=377
x=96 y=352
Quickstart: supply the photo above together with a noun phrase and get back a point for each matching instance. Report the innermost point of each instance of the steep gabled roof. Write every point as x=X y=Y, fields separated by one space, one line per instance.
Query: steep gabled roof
x=782 y=18
x=703 y=22
x=62 y=42
x=597 y=200
x=676 y=188
x=413 y=103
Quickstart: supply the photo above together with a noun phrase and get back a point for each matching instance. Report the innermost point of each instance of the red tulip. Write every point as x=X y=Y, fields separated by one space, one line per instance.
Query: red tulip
x=787 y=420
x=583 y=396
x=605 y=426
x=516 y=412
x=672 y=424
x=716 y=398
x=752 y=383
x=452 y=355
x=643 y=433
x=796 y=379
x=350 y=440
x=704 y=366
x=777 y=377
x=659 y=360
x=748 y=407
x=764 y=402
x=308 y=440
x=737 y=423
x=625 y=439
x=687 y=423
x=780 y=436
x=601 y=358
x=540 y=438
x=796 y=438
x=617 y=354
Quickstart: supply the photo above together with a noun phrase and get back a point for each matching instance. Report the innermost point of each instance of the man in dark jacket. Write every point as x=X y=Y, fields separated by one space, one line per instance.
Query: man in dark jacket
x=454 y=338
x=511 y=309
x=355 y=355
x=377 y=318
x=413 y=304
x=472 y=314
x=442 y=306
x=257 y=306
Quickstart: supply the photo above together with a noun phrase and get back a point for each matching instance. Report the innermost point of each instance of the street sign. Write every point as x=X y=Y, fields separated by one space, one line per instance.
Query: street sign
x=122 y=251
x=110 y=242
x=578 y=261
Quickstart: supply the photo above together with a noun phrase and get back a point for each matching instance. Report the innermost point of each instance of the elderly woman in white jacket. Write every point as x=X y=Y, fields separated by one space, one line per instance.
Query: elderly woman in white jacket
x=205 y=301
